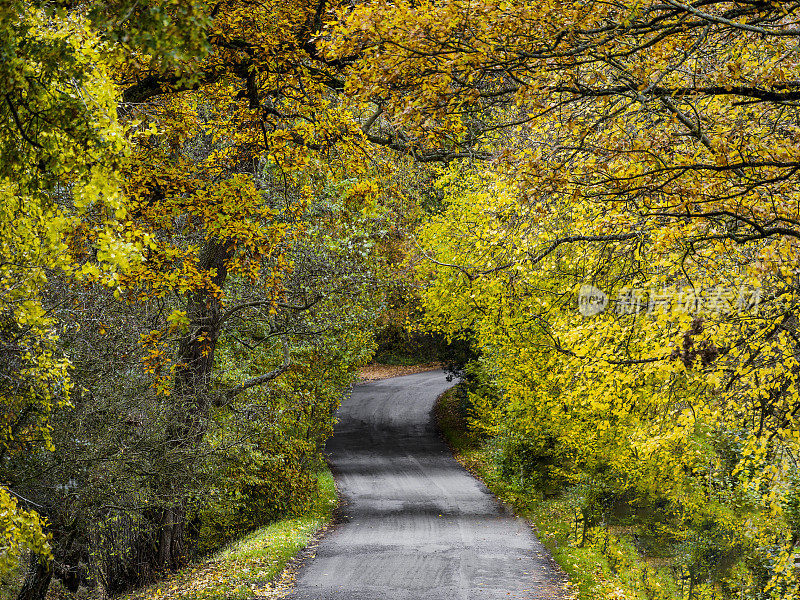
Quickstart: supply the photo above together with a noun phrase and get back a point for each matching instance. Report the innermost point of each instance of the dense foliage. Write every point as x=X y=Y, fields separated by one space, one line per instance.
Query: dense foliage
x=193 y=257
x=202 y=202
x=627 y=264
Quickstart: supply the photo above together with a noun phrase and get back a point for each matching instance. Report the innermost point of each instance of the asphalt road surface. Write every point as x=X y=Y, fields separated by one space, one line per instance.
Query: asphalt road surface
x=415 y=524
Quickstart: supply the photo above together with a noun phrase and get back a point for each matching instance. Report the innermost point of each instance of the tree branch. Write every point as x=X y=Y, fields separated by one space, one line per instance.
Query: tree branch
x=723 y=21
x=265 y=378
x=18 y=123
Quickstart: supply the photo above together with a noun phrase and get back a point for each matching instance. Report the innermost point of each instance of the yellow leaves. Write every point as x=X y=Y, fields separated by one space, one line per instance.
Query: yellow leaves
x=31 y=242
x=569 y=377
x=178 y=320
x=20 y=530
x=59 y=194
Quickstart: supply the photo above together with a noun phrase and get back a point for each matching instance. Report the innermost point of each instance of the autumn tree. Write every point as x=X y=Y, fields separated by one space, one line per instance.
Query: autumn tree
x=648 y=150
x=58 y=136
x=245 y=250
x=227 y=166
x=61 y=145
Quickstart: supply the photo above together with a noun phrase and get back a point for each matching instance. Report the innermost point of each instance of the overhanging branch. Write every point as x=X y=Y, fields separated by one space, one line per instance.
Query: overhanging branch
x=265 y=378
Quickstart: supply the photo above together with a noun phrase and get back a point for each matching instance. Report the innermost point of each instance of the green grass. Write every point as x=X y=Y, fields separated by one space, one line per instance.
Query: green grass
x=248 y=567
x=607 y=567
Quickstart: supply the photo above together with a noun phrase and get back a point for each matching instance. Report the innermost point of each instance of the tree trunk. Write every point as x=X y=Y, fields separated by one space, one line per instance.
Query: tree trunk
x=170 y=543
x=196 y=349
x=37 y=580
x=194 y=360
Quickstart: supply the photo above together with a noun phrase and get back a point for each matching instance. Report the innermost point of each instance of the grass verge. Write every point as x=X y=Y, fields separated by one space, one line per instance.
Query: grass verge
x=248 y=567
x=606 y=568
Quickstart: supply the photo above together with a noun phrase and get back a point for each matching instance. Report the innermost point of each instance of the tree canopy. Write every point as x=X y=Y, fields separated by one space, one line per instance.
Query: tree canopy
x=616 y=231
x=643 y=153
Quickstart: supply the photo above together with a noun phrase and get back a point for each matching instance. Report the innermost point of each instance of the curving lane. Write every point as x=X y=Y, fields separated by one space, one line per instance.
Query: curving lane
x=415 y=524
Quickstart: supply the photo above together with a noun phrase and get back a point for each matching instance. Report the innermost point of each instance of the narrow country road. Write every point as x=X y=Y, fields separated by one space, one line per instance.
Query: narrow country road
x=416 y=525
